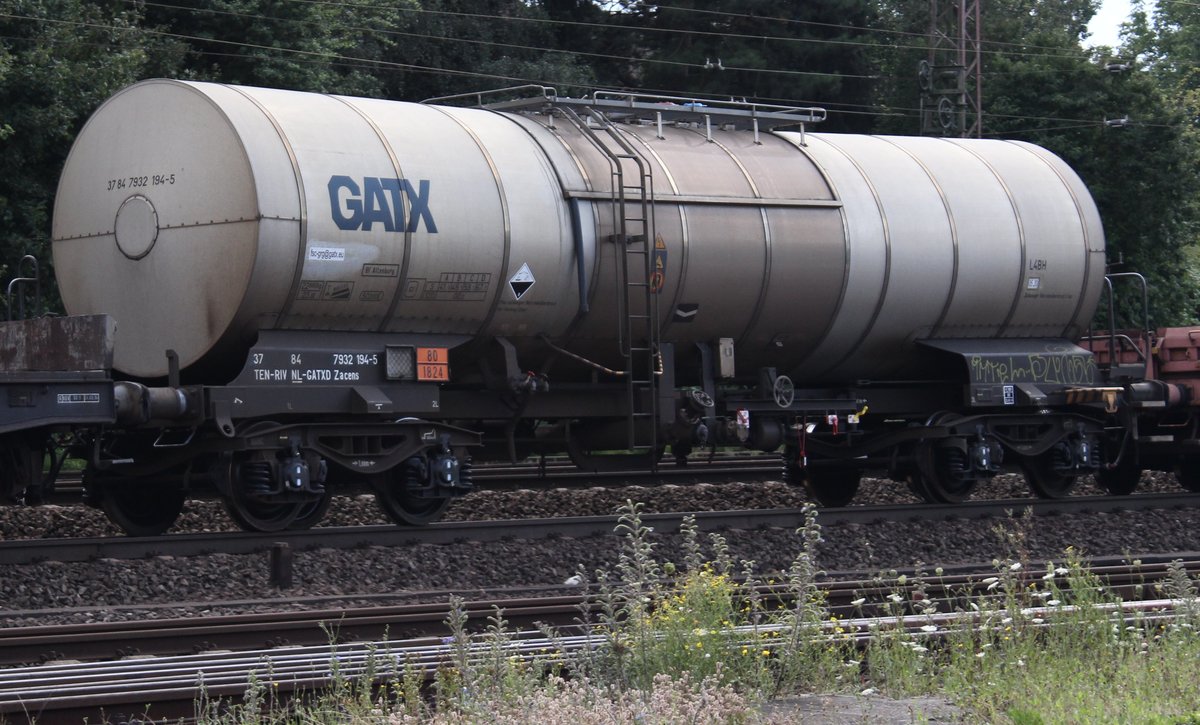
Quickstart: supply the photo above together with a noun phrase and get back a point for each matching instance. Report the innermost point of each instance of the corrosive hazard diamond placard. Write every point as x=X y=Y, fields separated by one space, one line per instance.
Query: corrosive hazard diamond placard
x=521 y=282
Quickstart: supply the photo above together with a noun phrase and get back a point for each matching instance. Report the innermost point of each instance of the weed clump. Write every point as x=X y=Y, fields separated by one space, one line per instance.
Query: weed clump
x=702 y=640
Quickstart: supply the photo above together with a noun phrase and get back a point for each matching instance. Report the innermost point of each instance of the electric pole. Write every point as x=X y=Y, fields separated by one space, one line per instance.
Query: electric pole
x=950 y=78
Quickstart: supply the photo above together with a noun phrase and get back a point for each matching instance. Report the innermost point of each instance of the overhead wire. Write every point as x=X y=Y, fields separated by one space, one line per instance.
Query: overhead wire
x=310 y=53
x=350 y=61
x=650 y=29
x=840 y=26
x=495 y=44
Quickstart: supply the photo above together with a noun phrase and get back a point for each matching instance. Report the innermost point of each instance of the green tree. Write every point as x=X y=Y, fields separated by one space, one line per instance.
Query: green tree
x=1115 y=123
x=1163 y=48
x=461 y=46
x=773 y=51
x=59 y=59
x=295 y=44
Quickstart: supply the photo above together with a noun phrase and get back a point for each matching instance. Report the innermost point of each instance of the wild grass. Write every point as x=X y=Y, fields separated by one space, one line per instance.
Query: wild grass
x=694 y=641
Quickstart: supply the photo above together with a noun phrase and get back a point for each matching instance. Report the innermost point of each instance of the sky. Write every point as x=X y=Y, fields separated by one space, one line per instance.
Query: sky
x=1107 y=22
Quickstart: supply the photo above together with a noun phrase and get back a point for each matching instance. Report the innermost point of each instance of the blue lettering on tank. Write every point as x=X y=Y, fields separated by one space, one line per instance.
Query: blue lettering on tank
x=352 y=205
x=380 y=201
x=375 y=206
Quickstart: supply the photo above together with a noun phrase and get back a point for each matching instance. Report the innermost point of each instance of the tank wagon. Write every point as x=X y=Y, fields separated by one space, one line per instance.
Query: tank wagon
x=273 y=295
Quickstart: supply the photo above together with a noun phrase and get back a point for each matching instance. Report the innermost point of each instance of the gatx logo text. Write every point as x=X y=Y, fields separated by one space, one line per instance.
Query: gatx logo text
x=380 y=201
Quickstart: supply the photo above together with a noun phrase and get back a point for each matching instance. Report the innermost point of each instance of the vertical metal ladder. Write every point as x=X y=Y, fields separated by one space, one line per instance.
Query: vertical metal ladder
x=637 y=301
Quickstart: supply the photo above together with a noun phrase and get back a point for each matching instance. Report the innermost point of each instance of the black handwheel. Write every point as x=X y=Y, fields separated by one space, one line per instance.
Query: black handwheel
x=142 y=509
x=784 y=391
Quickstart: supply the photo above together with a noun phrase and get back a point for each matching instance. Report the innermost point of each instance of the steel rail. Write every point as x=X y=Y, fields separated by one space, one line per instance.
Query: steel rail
x=30 y=551
x=100 y=640
x=170 y=686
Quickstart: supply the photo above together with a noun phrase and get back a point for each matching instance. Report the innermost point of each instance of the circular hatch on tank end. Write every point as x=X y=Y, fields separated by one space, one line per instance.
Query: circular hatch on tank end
x=157 y=221
x=136 y=227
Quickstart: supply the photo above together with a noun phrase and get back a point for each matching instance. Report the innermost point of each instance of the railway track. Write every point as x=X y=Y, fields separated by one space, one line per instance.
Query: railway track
x=31 y=551
x=163 y=667
x=523 y=607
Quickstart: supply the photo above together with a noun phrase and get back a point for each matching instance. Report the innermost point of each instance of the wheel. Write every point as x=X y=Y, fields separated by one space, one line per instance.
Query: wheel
x=142 y=509
x=254 y=502
x=940 y=488
x=21 y=469
x=934 y=480
x=916 y=483
x=1043 y=480
x=253 y=515
x=833 y=488
x=586 y=459
x=1122 y=480
x=1187 y=472
x=311 y=513
x=404 y=508
x=250 y=512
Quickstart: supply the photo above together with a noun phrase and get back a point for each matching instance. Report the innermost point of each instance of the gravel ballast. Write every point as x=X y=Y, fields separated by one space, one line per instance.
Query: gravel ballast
x=105 y=588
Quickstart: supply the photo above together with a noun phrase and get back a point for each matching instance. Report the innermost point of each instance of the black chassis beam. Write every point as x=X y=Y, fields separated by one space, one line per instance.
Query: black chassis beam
x=358 y=446
x=1053 y=426
x=66 y=399
x=364 y=446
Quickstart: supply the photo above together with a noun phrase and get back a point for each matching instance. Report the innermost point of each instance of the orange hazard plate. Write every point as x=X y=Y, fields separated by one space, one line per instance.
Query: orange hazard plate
x=426 y=371
x=433 y=356
x=433 y=363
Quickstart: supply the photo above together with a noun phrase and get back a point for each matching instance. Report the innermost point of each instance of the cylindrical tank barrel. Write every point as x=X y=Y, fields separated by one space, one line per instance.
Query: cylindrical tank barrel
x=197 y=214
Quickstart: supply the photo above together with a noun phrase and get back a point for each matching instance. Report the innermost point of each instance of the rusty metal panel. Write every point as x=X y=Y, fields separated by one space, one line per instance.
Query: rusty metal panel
x=48 y=344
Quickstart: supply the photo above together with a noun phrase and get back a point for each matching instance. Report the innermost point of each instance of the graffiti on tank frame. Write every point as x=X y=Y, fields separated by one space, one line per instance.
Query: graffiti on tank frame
x=1049 y=367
